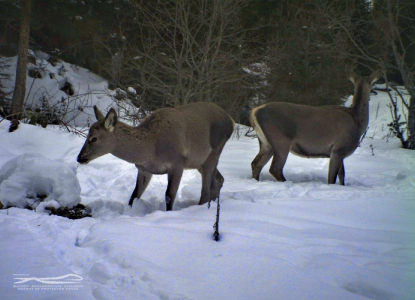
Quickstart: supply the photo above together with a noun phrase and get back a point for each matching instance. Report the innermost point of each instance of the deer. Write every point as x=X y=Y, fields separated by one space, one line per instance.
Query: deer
x=312 y=131
x=167 y=141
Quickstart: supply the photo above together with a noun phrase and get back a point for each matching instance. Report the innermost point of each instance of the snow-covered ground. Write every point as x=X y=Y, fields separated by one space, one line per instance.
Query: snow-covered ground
x=50 y=88
x=301 y=239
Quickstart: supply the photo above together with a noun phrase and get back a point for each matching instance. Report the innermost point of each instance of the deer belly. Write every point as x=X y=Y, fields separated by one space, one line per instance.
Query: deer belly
x=196 y=158
x=310 y=151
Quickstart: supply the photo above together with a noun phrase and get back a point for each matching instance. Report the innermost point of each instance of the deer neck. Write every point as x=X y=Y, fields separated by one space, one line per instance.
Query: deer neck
x=360 y=106
x=132 y=144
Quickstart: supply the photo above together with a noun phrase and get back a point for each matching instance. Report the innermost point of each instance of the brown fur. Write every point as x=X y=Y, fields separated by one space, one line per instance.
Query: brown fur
x=325 y=131
x=166 y=142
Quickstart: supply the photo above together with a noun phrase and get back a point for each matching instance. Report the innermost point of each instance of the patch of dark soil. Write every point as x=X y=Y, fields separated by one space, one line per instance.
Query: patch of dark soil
x=77 y=212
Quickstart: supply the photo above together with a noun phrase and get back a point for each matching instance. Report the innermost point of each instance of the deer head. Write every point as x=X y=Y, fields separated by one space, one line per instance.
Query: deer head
x=101 y=138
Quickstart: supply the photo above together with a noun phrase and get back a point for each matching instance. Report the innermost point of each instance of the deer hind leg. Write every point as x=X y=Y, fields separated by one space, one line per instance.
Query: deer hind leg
x=217 y=183
x=143 y=179
x=174 y=177
x=342 y=174
x=336 y=168
x=212 y=180
x=264 y=155
x=278 y=162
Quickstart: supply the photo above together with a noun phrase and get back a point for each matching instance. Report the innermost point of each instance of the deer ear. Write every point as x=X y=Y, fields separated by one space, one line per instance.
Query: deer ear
x=98 y=113
x=111 y=120
x=375 y=76
x=351 y=75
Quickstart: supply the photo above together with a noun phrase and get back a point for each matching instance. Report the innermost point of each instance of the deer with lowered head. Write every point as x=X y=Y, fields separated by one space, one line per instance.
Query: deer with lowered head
x=166 y=142
x=325 y=131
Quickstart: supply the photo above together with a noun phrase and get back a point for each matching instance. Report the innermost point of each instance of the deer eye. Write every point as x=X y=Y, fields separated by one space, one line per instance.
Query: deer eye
x=93 y=140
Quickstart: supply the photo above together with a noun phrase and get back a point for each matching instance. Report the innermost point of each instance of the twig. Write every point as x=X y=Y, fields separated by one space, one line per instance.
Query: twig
x=6 y=117
x=396 y=125
x=216 y=235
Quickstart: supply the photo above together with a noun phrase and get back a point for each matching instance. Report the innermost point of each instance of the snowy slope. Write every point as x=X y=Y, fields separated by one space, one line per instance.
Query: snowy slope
x=88 y=88
x=301 y=239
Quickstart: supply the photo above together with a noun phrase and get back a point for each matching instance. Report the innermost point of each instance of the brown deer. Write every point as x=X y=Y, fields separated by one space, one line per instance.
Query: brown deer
x=166 y=142
x=307 y=131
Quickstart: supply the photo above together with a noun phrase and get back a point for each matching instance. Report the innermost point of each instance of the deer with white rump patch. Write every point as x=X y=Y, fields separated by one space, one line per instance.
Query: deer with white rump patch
x=166 y=142
x=307 y=131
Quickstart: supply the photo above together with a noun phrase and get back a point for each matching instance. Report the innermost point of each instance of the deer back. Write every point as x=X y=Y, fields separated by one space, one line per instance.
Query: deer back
x=168 y=136
x=188 y=132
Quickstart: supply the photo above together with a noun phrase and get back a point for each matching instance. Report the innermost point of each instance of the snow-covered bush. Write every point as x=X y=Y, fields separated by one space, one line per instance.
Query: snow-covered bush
x=29 y=179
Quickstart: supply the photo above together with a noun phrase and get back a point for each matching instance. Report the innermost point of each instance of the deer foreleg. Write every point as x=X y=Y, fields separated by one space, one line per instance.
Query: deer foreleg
x=174 y=177
x=143 y=179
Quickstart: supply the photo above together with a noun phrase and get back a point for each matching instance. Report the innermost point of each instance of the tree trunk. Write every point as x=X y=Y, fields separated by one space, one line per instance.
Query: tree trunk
x=21 y=68
x=411 y=123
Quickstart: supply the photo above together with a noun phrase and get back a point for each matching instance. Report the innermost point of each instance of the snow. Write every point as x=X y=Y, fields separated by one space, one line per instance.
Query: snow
x=301 y=239
x=90 y=89
x=29 y=176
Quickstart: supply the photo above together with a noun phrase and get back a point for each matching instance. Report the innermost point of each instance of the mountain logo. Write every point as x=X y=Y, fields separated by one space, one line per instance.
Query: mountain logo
x=66 y=279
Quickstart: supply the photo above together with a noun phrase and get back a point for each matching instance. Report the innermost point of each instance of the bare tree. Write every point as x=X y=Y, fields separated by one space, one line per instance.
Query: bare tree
x=376 y=36
x=177 y=52
x=22 y=60
x=401 y=49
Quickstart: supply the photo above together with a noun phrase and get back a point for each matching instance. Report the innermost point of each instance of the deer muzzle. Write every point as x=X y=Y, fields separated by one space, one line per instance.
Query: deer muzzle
x=82 y=159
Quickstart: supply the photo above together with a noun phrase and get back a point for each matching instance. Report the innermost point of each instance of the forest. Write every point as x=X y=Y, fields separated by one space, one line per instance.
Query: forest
x=236 y=53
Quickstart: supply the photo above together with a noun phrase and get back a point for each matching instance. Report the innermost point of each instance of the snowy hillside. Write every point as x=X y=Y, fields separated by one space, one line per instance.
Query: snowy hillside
x=62 y=87
x=301 y=239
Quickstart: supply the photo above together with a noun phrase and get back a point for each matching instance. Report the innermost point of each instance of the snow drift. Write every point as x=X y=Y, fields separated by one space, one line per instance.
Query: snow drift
x=28 y=179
